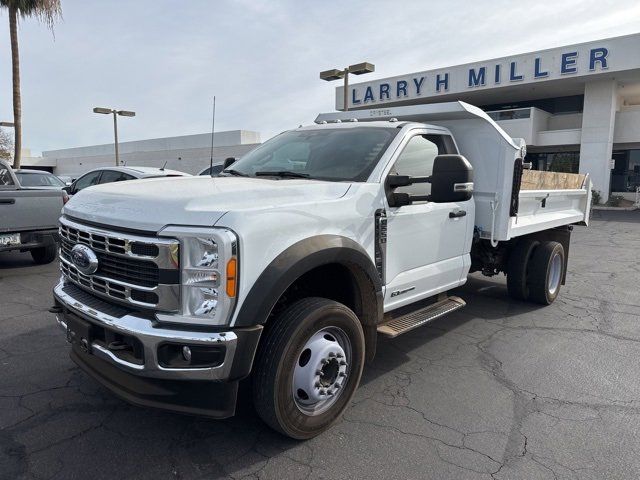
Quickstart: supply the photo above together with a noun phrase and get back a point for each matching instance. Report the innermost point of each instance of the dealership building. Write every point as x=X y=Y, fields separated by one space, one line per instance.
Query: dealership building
x=187 y=153
x=577 y=106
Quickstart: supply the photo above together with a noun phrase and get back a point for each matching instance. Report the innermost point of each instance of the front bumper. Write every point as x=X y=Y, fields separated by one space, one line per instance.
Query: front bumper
x=141 y=375
x=33 y=239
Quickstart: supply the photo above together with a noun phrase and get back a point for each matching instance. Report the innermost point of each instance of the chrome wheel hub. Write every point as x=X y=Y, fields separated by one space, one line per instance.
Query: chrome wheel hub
x=555 y=272
x=321 y=371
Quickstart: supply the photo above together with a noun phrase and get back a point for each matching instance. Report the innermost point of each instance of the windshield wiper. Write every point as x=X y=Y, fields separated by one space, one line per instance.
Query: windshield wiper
x=235 y=173
x=282 y=173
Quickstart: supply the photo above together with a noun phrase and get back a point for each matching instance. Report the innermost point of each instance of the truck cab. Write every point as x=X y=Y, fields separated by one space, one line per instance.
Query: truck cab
x=288 y=266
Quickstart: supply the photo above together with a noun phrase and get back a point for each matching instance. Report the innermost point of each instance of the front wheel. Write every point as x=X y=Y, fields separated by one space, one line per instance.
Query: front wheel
x=44 y=255
x=308 y=367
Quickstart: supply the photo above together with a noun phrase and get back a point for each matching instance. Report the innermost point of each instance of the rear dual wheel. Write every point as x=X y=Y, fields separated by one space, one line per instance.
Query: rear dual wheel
x=546 y=272
x=535 y=271
x=308 y=367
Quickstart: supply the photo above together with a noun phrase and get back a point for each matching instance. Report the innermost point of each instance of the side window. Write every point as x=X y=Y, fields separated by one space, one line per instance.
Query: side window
x=416 y=160
x=88 y=180
x=110 y=176
x=215 y=170
x=6 y=180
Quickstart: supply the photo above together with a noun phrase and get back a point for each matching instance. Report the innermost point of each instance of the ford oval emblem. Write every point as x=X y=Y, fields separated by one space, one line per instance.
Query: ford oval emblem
x=84 y=259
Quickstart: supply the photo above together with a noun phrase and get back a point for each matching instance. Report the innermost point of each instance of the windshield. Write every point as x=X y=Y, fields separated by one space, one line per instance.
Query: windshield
x=339 y=154
x=38 y=180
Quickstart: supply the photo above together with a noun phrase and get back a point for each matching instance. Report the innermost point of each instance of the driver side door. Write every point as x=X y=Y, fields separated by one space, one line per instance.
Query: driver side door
x=427 y=249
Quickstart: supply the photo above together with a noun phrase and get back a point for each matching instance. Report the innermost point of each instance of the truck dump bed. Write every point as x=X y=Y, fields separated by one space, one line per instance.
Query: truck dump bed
x=510 y=202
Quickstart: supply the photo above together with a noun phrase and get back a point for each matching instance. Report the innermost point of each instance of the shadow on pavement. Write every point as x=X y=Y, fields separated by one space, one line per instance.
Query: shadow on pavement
x=16 y=259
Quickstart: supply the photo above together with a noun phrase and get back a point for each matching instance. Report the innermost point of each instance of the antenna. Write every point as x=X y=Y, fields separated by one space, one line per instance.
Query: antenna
x=165 y=164
x=213 y=125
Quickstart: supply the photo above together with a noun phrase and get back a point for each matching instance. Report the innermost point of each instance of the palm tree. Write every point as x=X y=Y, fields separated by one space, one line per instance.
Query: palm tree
x=47 y=11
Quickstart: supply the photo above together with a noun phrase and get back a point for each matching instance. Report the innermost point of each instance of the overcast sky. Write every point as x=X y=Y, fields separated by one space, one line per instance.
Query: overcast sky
x=166 y=59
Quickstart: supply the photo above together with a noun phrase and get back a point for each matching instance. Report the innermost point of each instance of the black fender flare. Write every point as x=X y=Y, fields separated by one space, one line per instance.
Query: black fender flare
x=304 y=256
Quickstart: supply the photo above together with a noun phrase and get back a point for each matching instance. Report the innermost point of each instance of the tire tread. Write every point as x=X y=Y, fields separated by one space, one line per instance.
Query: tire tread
x=538 y=292
x=519 y=259
x=268 y=358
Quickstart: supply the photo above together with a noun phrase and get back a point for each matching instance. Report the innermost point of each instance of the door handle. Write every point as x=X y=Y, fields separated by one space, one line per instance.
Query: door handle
x=7 y=201
x=457 y=213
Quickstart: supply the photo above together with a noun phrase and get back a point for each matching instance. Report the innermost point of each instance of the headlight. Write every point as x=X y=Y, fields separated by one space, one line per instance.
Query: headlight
x=208 y=262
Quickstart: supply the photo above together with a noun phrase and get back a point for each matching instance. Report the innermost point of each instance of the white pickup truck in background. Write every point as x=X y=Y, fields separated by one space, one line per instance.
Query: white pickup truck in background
x=290 y=263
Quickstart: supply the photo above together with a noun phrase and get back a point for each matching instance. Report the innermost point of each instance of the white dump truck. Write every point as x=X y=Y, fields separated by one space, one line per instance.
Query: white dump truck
x=288 y=266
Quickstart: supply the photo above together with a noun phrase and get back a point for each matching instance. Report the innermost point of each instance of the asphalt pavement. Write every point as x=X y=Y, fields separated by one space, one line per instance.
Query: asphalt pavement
x=500 y=389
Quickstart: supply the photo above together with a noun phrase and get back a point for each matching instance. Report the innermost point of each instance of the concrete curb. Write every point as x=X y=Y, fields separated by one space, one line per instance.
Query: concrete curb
x=623 y=209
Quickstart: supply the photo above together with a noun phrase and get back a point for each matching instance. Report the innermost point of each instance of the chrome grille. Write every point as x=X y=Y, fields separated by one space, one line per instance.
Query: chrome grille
x=96 y=284
x=132 y=269
x=93 y=302
x=139 y=272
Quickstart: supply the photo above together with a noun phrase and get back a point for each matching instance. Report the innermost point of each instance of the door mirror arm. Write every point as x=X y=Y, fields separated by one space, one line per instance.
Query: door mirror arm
x=395 y=181
x=402 y=199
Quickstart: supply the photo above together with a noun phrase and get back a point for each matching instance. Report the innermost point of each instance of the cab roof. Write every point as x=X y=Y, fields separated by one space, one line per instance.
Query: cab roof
x=145 y=172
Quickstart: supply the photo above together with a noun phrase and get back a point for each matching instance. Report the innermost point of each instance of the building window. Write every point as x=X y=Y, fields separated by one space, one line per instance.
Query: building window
x=567 y=162
x=556 y=105
x=625 y=176
x=514 y=114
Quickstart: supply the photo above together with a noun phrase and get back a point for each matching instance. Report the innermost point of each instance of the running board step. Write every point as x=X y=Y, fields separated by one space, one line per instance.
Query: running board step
x=416 y=318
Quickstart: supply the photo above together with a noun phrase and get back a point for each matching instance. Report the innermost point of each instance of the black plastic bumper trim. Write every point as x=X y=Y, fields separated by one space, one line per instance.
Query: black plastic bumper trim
x=209 y=399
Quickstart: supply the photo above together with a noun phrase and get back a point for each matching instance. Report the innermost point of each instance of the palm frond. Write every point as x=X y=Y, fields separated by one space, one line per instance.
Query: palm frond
x=47 y=11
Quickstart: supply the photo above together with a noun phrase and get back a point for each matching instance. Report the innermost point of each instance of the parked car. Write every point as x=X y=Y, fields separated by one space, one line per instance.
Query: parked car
x=103 y=175
x=38 y=179
x=290 y=275
x=212 y=171
x=215 y=170
x=68 y=180
x=29 y=217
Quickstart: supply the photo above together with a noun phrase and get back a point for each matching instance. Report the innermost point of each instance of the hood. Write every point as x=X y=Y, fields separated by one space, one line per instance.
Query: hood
x=152 y=204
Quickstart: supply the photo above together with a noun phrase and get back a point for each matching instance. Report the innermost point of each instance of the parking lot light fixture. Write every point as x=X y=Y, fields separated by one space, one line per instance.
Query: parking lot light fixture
x=115 y=113
x=336 y=74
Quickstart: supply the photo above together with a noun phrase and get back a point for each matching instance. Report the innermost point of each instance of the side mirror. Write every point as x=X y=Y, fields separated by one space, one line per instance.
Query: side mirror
x=401 y=199
x=228 y=162
x=67 y=188
x=451 y=180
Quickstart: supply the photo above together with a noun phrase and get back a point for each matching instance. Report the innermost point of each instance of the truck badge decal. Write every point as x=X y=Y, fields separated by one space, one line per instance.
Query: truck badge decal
x=403 y=291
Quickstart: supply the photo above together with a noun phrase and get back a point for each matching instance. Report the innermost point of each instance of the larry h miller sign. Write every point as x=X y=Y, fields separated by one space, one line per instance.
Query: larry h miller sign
x=611 y=55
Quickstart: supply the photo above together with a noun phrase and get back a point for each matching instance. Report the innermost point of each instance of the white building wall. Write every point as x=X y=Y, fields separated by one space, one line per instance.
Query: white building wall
x=191 y=160
x=188 y=153
x=598 y=122
x=564 y=121
x=555 y=138
x=627 y=125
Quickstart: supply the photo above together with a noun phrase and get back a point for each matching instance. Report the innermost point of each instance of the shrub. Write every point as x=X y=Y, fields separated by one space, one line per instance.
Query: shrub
x=614 y=201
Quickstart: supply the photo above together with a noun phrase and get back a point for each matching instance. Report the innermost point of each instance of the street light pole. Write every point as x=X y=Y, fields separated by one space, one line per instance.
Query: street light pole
x=335 y=74
x=115 y=135
x=115 y=113
x=345 y=105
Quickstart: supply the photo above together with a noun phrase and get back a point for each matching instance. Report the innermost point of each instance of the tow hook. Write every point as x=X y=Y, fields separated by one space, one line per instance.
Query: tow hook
x=118 y=346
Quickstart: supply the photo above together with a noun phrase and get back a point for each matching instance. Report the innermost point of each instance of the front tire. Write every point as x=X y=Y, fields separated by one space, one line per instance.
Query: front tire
x=308 y=367
x=44 y=255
